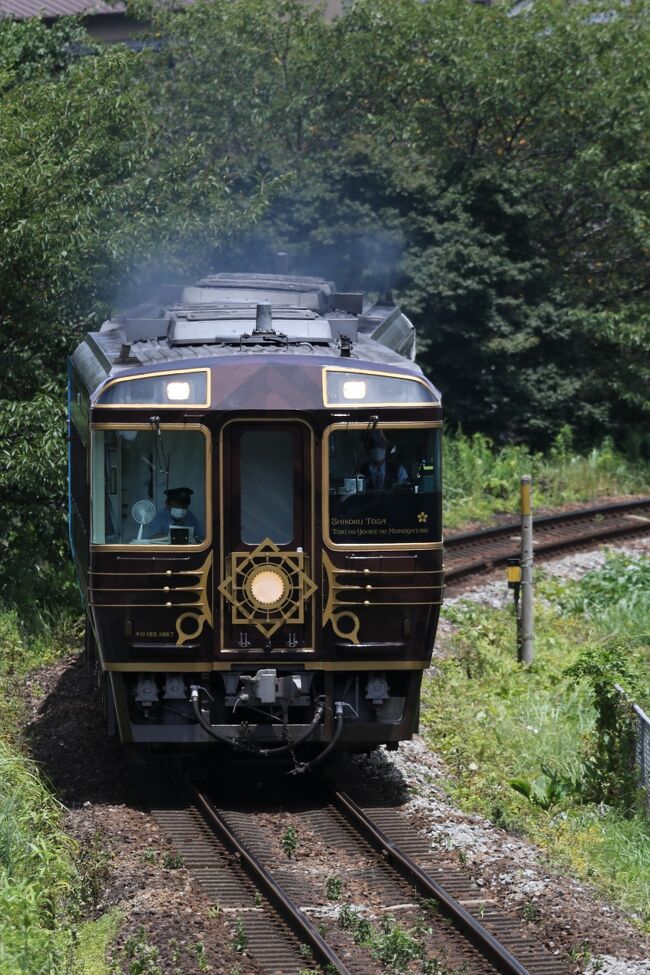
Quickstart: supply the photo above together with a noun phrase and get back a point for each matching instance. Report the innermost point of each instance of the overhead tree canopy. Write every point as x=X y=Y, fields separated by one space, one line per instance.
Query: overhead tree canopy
x=493 y=169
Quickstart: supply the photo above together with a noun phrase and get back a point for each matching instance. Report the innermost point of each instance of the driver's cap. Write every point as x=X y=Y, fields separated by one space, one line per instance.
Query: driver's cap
x=179 y=495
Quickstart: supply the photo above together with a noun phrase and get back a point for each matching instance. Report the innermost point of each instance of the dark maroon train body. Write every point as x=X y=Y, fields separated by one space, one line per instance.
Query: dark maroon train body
x=295 y=602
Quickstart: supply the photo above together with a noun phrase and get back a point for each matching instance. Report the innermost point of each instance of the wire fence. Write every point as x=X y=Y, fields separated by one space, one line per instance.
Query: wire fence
x=641 y=723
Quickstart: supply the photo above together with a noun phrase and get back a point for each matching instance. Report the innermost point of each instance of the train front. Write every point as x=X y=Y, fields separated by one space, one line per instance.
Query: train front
x=265 y=561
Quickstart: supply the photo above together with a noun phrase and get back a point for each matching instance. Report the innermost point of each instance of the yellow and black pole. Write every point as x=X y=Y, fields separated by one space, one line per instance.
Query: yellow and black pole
x=527 y=627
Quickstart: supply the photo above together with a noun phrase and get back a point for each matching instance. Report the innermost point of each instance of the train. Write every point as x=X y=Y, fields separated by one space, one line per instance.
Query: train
x=255 y=517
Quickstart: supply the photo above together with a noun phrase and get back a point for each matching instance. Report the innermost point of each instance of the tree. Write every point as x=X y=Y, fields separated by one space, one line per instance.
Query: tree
x=493 y=168
x=91 y=192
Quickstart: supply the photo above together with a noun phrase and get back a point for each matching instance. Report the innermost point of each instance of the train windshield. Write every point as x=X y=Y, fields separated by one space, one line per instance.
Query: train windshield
x=149 y=487
x=384 y=485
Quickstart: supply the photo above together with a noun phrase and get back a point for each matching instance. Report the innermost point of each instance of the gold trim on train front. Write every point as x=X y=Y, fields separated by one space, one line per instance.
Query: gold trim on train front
x=208 y=665
x=179 y=405
x=433 y=403
x=368 y=546
x=161 y=550
x=252 y=421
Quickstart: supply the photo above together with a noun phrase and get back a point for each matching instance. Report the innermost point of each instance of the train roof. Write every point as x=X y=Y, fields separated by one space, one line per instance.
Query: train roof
x=217 y=319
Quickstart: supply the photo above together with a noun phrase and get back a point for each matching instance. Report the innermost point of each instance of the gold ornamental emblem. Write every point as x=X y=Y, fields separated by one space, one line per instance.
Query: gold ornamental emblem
x=267 y=588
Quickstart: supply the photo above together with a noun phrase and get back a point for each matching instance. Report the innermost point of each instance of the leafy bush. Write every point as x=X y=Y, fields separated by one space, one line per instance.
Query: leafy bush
x=388 y=943
x=547 y=789
x=612 y=774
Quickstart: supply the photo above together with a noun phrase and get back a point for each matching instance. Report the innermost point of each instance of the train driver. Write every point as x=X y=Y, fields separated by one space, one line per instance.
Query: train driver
x=175 y=513
x=381 y=473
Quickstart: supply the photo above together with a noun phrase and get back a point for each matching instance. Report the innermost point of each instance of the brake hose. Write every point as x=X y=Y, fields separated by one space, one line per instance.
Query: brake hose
x=236 y=744
x=338 y=731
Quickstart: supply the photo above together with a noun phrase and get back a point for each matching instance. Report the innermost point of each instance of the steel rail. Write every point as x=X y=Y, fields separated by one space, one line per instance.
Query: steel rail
x=427 y=887
x=560 y=518
x=455 y=543
x=283 y=904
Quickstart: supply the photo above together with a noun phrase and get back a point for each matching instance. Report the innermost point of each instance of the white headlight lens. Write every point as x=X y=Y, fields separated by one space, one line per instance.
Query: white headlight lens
x=267 y=587
x=178 y=392
x=354 y=389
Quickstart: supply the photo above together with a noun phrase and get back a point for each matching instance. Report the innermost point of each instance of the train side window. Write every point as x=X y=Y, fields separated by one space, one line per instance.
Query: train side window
x=148 y=489
x=384 y=485
x=267 y=473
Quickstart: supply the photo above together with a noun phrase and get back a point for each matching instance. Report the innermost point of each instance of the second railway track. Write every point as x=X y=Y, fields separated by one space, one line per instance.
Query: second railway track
x=340 y=882
x=472 y=553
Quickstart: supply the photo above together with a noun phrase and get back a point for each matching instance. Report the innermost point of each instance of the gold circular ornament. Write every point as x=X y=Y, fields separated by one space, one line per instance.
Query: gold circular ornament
x=267 y=587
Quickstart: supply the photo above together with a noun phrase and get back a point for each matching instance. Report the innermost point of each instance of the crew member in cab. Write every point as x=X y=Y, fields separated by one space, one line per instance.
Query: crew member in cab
x=380 y=472
x=176 y=513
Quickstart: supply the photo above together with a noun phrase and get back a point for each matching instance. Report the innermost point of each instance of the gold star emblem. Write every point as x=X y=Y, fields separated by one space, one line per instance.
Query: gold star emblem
x=423 y=517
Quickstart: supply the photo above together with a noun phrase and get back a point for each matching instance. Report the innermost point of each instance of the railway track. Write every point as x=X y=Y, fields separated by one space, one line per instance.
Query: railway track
x=473 y=553
x=340 y=882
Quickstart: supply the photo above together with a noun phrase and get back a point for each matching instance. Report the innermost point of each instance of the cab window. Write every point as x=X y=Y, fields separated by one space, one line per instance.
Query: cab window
x=148 y=487
x=384 y=485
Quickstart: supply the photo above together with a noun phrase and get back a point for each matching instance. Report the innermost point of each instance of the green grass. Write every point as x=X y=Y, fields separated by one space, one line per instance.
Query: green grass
x=44 y=882
x=497 y=723
x=37 y=872
x=93 y=942
x=481 y=481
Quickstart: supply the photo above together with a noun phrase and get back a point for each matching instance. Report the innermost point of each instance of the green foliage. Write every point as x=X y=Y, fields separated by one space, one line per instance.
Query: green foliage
x=392 y=945
x=141 y=957
x=198 y=951
x=31 y=49
x=616 y=595
x=395 y=947
x=289 y=840
x=482 y=479
x=93 y=865
x=613 y=777
x=33 y=545
x=37 y=872
x=173 y=861
x=546 y=751
x=93 y=943
x=513 y=722
x=547 y=789
x=46 y=882
x=333 y=888
x=59 y=632
x=488 y=166
x=240 y=938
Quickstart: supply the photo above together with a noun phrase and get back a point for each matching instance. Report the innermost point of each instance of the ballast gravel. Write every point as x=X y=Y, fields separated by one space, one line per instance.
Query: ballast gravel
x=569 y=914
x=492 y=592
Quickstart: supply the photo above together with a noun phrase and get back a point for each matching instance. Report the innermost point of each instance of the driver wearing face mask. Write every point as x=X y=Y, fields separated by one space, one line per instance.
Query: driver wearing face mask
x=379 y=471
x=175 y=512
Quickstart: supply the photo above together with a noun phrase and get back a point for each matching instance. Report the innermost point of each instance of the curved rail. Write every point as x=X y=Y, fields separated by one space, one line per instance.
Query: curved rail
x=486 y=943
x=473 y=552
